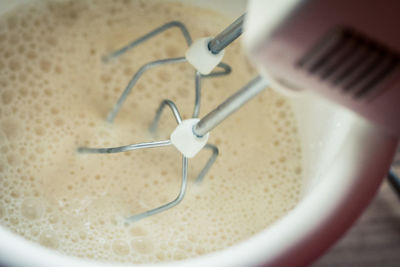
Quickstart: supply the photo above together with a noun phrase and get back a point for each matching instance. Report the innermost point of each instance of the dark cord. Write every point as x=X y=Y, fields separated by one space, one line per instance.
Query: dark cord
x=394 y=181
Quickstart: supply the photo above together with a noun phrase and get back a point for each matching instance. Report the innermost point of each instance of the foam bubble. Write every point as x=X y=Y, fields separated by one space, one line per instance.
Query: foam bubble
x=31 y=208
x=10 y=128
x=49 y=239
x=143 y=246
x=120 y=247
x=138 y=231
x=2 y=210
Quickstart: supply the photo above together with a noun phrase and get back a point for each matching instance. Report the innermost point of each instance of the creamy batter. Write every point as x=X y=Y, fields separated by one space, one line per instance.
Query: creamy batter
x=55 y=93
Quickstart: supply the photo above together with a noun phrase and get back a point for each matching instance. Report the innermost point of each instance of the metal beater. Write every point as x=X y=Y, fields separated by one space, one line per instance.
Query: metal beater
x=199 y=129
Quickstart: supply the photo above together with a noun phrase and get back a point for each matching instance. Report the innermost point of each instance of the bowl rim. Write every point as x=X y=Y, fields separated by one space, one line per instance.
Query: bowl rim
x=330 y=208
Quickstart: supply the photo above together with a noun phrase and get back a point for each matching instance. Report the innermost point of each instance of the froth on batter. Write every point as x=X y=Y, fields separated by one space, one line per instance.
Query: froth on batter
x=55 y=93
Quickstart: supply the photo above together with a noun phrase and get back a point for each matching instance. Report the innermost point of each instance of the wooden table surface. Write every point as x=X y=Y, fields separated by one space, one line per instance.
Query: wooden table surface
x=374 y=240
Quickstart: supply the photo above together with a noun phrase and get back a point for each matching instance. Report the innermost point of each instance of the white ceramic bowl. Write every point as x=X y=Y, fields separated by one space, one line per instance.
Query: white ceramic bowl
x=345 y=159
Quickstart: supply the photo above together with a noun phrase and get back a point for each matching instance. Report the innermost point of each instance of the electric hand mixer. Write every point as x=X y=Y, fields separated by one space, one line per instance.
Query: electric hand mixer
x=332 y=47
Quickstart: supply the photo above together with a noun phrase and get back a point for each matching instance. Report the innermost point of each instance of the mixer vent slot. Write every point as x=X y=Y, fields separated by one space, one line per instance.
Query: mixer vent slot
x=351 y=62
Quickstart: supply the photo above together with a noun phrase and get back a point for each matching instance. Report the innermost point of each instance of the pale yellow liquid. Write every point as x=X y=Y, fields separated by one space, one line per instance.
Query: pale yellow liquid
x=55 y=93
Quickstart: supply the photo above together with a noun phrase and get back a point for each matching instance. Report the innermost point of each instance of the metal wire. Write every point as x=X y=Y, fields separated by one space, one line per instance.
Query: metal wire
x=156 y=120
x=197 y=93
x=149 y=35
x=209 y=163
x=111 y=116
x=169 y=205
x=226 y=69
x=119 y=149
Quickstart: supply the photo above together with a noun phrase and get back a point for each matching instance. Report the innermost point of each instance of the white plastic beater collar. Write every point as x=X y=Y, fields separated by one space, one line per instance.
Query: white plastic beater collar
x=201 y=58
x=186 y=141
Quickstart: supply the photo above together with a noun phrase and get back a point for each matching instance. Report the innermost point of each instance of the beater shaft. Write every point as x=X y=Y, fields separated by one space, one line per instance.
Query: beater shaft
x=227 y=36
x=229 y=106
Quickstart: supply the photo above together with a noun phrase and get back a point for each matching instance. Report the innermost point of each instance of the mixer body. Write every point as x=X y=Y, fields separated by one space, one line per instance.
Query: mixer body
x=346 y=51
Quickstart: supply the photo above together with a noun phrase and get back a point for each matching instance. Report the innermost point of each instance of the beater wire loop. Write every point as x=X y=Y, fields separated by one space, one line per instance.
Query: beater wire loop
x=156 y=120
x=226 y=69
x=197 y=94
x=114 y=112
x=108 y=150
x=168 y=205
x=209 y=163
x=149 y=35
